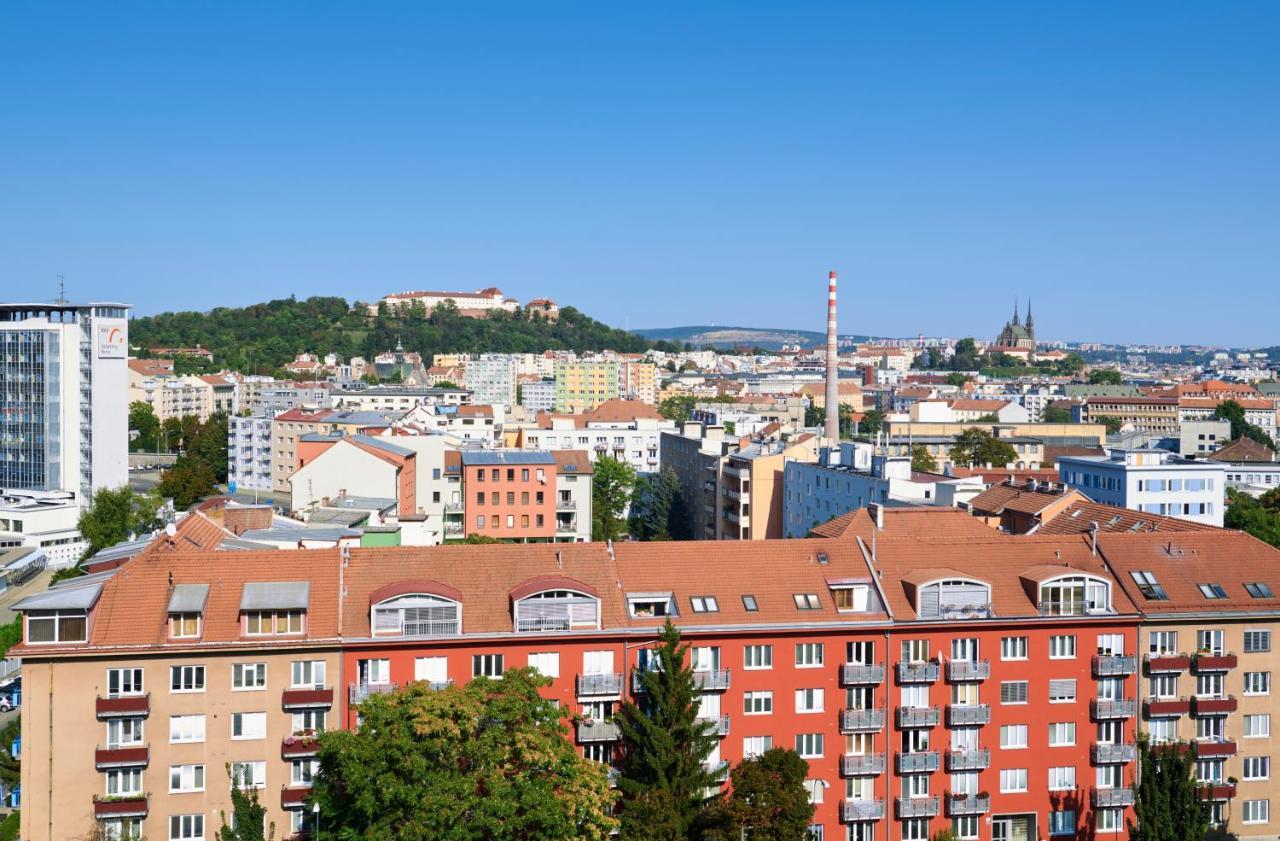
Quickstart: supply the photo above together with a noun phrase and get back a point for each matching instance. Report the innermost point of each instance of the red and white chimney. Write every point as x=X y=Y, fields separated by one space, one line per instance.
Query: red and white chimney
x=832 y=428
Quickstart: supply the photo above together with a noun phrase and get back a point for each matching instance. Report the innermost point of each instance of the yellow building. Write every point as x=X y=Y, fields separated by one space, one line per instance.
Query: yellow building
x=582 y=386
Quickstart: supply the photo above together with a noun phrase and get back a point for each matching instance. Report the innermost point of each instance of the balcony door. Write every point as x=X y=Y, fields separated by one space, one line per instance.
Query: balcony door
x=1013 y=828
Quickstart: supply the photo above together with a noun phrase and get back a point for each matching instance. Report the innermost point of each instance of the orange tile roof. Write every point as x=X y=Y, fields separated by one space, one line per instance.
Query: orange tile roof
x=1182 y=562
x=619 y=411
x=1245 y=450
x=913 y=522
x=1077 y=518
x=578 y=460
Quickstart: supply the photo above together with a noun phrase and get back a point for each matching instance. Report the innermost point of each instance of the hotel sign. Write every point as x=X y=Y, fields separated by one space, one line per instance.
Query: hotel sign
x=111 y=342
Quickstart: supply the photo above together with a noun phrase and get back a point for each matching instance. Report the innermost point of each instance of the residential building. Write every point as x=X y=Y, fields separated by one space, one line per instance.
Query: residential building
x=1157 y=415
x=172 y=397
x=520 y=496
x=1202 y=437
x=637 y=379
x=751 y=483
x=333 y=465
x=1151 y=481
x=538 y=395
x=1036 y=507
x=64 y=414
x=45 y=520
x=626 y=430
x=491 y=377
x=249 y=447
x=396 y=400
x=1257 y=411
x=582 y=386
x=1252 y=467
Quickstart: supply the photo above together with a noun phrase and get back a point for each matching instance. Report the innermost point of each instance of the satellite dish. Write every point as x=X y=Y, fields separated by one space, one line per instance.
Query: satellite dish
x=170 y=529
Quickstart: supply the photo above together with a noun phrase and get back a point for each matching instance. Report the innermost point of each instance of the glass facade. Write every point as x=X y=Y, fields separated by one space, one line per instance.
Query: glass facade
x=29 y=398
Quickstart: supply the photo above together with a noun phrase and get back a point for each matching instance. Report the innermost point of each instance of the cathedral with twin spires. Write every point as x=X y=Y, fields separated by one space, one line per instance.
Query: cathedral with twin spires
x=1016 y=335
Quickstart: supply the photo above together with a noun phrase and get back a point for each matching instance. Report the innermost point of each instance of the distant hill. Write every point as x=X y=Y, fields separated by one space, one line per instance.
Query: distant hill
x=765 y=337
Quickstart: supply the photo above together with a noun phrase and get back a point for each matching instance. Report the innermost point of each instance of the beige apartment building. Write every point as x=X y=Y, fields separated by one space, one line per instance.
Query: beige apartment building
x=1157 y=415
x=751 y=487
x=169 y=396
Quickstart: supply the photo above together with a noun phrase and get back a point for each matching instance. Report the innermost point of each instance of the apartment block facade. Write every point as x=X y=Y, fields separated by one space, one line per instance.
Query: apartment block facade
x=516 y=495
x=582 y=386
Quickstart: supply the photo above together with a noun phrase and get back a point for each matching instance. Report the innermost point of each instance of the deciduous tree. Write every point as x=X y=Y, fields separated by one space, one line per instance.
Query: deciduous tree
x=922 y=460
x=768 y=801
x=116 y=514
x=143 y=420
x=611 y=485
x=977 y=446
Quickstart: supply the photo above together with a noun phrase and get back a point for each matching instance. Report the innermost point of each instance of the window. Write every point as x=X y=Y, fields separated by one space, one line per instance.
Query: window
x=417 y=614
x=249 y=774
x=756 y=745
x=1062 y=823
x=1255 y=641
x=1013 y=648
x=122 y=782
x=809 y=655
x=1163 y=642
x=1062 y=733
x=1062 y=691
x=52 y=626
x=1212 y=591
x=1062 y=778
x=815 y=789
x=186 y=728
x=307 y=673
x=749 y=604
x=1109 y=820
x=807 y=601
x=1149 y=587
x=1163 y=730
x=1257 y=683
x=965 y=827
x=1257 y=811
x=1209 y=685
x=809 y=745
x=817 y=832
x=248 y=725
x=124 y=682
x=646 y=607
x=850 y=598
x=1163 y=686
x=303 y=771
x=704 y=604
x=1062 y=647
x=184 y=625
x=1013 y=736
x=1074 y=596
x=1259 y=590
x=810 y=700
x=249 y=676
x=757 y=657
x=272 y=622
x=1257 y=767
x=309 y=719
x=186 y=678
x=915 y=829
x=186 y=778
x=186 y=827
x=122 y=732
x=1257 y=726
x=486 y=665
x=757 y=703
x=546 y=663
x=1013 y=780
x=1013 y=692
x=1210 y=641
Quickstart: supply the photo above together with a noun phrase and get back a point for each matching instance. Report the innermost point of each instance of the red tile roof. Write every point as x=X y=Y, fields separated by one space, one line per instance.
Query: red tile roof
x=1182 y=562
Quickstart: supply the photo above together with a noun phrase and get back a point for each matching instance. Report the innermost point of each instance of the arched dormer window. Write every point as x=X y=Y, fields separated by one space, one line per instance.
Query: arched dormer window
x=555 y=605
x=1074 y=595
x=416 y=609
x=954 y=598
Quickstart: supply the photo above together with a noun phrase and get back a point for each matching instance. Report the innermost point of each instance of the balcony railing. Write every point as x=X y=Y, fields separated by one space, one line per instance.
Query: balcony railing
x=711 y=680
x=566 y=504
x=1217 y=791
x=923 y=762
x=122 y=756
x=1161 y=663
x=1119 y=708
x=1114 y=664
x=967 y=671
x=359 y=691
x=1113 y=754
x=1213 y=706
x=917 y=807
x=862 y=765
x=852 y=811
x=918 y=716
x=452 y=527
x=453 y=507
x=607 y=684
x=1213 y=662
x=917 y=672
x=968 y=804
x=298 y=699
x=124 y=706
x=718 y=770
x=298 y=747
x=121 y=806
x=598 y=731
x=1157 y=707
x=1107 y=798
x=566 y=526
x=969 y=760
x=294 y=797
x=861 y=721
x=720 y=722
x=856 y=674
x=1222 y=747
x=967 y=715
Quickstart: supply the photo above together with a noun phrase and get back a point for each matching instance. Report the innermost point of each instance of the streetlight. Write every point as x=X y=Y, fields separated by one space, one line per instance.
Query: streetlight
x=315 y=810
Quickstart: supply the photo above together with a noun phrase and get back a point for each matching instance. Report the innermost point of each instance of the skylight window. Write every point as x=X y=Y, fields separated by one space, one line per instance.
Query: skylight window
x=704 y=604
x=749 y=603
x=1148 y=586
x=807 y=601
x=1259 y=590
x=1212 y=591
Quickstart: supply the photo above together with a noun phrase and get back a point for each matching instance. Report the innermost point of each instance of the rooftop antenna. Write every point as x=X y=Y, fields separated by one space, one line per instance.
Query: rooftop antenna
x=62 y=290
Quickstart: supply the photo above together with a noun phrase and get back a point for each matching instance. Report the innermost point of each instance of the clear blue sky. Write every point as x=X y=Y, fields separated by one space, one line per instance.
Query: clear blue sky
x=657 y=165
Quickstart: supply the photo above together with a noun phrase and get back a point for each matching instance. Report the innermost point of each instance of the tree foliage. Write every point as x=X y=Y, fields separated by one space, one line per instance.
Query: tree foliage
x=976 y=446
x=1230 y=410
x=611 y=485
x=1167 y=804
x=922 y=461
x=143 y=420
x=1259 y=517
x=187 y=482
x=488 y=761
x=1112 y=423
x=1056 y=414
x=248 y=821
x=768 y=801
x=678 y=408
x=657 y=510
x=10 y=767
x=664 y=782
x=1105 y=376
x=116 y=514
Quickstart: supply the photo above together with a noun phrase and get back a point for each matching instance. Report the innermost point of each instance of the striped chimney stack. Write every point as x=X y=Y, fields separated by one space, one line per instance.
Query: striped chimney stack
x=832 y=430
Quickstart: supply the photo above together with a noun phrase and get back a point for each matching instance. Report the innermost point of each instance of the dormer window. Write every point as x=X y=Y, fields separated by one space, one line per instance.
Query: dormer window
x=186 y=610
x=650 y=605
x=556 y=610
x=272 y=622
x=1075 y=595
x=1148 y=586
x=184 y=626
x=417 y=615
x=850 y=598
x=954 y=598
x=54 y=626
x=274 y=608
x=1212 y=591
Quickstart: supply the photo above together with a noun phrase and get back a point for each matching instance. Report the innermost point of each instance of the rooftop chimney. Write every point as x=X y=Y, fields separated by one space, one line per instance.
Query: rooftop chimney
x=832 y=430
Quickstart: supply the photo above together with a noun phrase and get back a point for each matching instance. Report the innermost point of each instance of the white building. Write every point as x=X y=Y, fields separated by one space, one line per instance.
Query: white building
x=64 y=412
x=394 y=400
x=538 y=396
x=626 y=430
x=249 y=452
x=491 y=377
x=42 y=519
x=481 y=299
x=1154 y=481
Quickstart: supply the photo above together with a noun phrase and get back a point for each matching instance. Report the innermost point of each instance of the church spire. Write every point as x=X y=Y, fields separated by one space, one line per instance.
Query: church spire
x=1015 y=310
x=1029 y=321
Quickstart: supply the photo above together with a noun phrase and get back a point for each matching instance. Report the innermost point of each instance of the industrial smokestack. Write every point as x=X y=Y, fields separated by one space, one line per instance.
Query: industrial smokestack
x=832 y=430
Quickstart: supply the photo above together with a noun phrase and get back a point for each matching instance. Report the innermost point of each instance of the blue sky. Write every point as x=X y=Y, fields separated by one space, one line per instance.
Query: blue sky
x=658 y=164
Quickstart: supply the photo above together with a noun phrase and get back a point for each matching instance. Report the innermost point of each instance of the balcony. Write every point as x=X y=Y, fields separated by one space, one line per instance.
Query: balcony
x=1108 y=798
x=861 y=721
x=1113 y=754
x=609 y=684
x=1217 y=791
x=967 y=715
x=452 y=528
x=1215 y=749
x=566 y=526
x=737 y=472
x=720 y=724
x=120 y=806
x=1156 y=707
x=711 y=680
x=1213 y=706
x=124 y=706
x=1114 y=665
x=1213 y=662
x=1121 y=708
x=968 y=804
x=852 y=811
x=969 y=760
x=1165 y=663
x=909 y=717
x=566 y=504
x=359 y=691
x=299 y=747
x=718 y=770
x=862 y=765
x=917 y=672
x=732 y=516
x=598 y=731
x=923 y=762
x=917 y=807
x=861 y=674
x=294 y=797
x=121 y=756
x=302 y=699
x=968 y=671
x=736 y=496
x=453 y=507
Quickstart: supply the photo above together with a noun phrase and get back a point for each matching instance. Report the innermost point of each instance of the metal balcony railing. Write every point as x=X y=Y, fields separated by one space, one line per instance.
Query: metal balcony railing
x=861 y=721
x=1114 y=664
x=969 y=760
x=862 y=765
x=918 y=716
x=606 y=684
x=923 y=762
x=852 y=811
x=968 y=715
x=918 y=672
x=967 y=671
x=854 y=674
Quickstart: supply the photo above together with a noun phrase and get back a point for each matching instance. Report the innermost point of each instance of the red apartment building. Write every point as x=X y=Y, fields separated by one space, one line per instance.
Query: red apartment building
x=541 y=496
